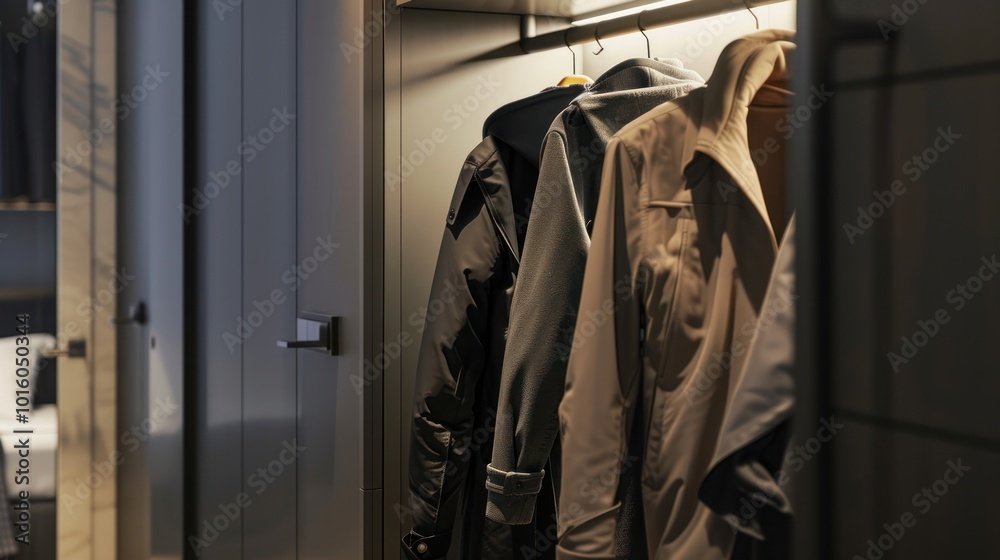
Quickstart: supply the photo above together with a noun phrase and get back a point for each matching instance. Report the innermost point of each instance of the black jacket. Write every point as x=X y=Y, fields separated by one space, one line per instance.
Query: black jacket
x=464 y=336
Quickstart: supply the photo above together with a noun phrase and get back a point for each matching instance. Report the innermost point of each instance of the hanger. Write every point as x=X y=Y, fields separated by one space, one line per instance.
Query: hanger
x=638 y=23
x=573 y=78
x=597 y=37
x=571 y=51
x=755 y=20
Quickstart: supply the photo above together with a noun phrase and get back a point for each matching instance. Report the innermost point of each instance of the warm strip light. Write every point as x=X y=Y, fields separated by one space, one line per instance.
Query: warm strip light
x=628 y=12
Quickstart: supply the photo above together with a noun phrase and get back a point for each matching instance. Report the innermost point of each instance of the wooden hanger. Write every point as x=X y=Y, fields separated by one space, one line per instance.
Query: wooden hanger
x=575 y=79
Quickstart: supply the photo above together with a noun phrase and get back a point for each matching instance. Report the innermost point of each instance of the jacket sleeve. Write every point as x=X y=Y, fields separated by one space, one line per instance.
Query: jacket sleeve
x=602 y=381
x=543 y=312
x=452 y=358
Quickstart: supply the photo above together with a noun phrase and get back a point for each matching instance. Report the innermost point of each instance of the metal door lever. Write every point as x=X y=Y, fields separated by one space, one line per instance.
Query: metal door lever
x=74 y=349
x=136 y=315
x=302 y=343
x=316 y=332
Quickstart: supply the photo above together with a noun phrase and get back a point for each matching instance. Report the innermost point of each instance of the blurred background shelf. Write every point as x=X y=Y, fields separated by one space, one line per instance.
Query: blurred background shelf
x=27 y=206
x=26 y=294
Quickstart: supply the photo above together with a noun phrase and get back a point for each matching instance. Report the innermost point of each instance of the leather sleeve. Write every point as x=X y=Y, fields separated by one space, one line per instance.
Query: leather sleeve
x=602 y=381
x=543 y=312
x=452 y=359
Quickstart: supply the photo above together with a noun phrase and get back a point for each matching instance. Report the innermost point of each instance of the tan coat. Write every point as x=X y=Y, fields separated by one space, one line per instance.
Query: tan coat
x=682 y=252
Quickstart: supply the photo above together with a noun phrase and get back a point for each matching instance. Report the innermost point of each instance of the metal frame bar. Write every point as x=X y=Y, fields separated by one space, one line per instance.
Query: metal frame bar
x=651 y=19
x=810 y=163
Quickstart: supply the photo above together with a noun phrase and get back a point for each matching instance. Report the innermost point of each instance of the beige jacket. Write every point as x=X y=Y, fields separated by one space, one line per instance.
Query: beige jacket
x=682 y=252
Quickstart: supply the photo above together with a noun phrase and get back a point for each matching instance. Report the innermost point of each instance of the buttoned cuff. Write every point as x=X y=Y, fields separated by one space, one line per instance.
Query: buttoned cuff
x=419 y=547
x=512 y=495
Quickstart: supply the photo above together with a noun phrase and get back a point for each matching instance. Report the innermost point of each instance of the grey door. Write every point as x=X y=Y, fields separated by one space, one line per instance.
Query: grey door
x=338 y=409
x=283 y=453
x=148 y=118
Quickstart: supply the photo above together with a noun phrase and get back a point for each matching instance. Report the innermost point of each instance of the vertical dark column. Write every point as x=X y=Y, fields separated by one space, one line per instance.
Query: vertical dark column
x=214 y=196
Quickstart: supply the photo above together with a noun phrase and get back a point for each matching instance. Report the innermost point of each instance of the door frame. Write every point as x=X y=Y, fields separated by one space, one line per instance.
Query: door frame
x=86 y=488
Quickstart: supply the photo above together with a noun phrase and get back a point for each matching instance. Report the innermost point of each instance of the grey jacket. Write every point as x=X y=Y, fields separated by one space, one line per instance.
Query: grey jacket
x=684 y=243
x=543 y=312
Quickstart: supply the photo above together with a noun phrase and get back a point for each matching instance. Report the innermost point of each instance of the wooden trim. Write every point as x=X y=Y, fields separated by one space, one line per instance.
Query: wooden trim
x=86 y=511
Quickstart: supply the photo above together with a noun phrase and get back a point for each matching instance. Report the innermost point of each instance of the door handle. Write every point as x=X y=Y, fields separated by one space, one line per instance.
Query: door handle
x=302 y=344
x=136 y=316
x=74 y=349
x=316 y=331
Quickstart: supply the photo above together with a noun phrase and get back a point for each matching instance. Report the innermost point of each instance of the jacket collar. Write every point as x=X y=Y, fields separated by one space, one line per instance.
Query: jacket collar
x=744 y=68
x=630 y=88
x=484 y=169
x=636 y=73
x=522 y=124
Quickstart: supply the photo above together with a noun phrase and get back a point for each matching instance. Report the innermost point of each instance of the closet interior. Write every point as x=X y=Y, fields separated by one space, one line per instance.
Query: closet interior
x=448 y=66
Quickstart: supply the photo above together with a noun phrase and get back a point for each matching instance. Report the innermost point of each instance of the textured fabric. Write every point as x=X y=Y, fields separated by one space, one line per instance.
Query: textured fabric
x=743 y=484
x=545 y=302
x=682 y=253
x=462 y=347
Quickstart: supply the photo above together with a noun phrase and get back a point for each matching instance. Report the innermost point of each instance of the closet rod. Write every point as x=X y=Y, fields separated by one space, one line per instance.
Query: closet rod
x=624 y=25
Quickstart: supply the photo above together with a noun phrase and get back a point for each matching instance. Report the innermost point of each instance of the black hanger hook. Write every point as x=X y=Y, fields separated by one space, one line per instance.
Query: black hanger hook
x=756 y=21
x=597 y=37
x=643 y=31
x=571 y=51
